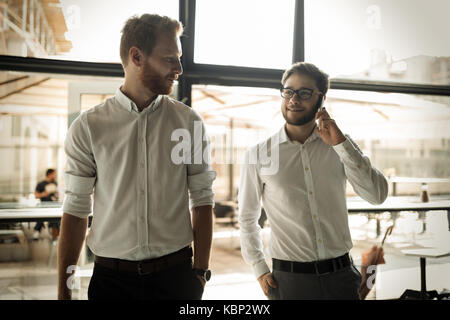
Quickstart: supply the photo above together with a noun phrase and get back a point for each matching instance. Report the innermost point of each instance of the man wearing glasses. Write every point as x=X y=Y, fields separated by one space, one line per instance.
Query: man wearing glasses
x=305 y=200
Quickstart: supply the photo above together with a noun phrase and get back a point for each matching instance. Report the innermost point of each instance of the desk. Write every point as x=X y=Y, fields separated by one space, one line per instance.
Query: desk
x=396 y=180
x=397 y=204
x=423 y=294
x=51 y=212
x=32 y=214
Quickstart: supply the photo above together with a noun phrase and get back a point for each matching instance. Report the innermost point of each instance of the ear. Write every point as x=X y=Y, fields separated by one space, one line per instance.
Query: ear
x=135 y=56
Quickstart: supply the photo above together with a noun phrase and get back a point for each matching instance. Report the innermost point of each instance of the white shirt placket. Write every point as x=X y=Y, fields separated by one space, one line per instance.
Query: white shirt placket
x=142 y=181
x=312 y=201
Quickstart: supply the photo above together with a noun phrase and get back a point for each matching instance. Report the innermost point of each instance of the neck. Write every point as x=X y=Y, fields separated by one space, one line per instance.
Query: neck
x=137 y=93
x=300 y=133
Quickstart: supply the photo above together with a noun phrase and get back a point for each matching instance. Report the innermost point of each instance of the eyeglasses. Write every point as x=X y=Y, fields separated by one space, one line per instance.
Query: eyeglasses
x=302 y=94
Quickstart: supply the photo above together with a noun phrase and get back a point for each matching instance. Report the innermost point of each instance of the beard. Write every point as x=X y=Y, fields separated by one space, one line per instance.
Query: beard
x=308 y=117
x=155 y=82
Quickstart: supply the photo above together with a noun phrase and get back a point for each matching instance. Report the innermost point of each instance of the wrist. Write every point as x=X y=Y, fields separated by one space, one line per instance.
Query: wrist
x=341 y=138
x=204 y=274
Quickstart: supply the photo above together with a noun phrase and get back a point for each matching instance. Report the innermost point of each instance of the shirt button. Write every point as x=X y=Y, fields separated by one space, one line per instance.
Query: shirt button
x=310 y=193
x=306 y=169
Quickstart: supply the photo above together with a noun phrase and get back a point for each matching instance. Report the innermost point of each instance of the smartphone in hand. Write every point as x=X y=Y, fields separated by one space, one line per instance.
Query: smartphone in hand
x=320 y=108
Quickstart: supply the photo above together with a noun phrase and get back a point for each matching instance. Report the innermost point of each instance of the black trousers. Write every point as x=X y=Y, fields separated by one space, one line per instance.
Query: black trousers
x=178 y=282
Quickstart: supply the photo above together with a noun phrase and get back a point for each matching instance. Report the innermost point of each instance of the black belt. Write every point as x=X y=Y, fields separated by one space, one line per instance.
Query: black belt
x=146 y=266
x=317 y=267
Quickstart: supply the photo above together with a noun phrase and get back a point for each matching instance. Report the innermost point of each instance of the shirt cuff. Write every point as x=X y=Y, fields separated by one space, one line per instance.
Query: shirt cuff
x=260 y=268
x=79 y=185
x=201 y=181
x=206 y=201
x=78 y=206
x=77 y=200
x=200 y=189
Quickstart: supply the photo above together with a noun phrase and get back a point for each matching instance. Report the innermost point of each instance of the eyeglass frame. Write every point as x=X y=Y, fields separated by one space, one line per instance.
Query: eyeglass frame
x=297 y=92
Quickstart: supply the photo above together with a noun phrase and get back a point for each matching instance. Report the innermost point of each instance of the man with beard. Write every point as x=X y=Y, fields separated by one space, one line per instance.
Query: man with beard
x=141 y=230
x=305 y=200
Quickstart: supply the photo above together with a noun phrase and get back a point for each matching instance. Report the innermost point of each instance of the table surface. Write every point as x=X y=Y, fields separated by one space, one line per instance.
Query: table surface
x=31 y=214
x=427 y=252
x=354 y=205
x=418 y=180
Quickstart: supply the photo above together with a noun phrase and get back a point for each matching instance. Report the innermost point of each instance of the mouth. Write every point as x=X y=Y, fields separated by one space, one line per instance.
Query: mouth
x=296 y=109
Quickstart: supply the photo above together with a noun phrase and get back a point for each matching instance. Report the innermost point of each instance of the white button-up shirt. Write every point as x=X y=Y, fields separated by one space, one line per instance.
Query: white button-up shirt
x=305 y=200
x=141 y=196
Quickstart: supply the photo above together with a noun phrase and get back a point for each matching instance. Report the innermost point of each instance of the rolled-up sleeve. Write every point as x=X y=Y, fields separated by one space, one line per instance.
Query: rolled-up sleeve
x=80 y=173
x=200 y=174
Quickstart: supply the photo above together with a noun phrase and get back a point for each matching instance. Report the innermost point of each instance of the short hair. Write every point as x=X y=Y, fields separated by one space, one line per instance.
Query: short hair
x=142 y=32
x=49 y=171
x=308 y=69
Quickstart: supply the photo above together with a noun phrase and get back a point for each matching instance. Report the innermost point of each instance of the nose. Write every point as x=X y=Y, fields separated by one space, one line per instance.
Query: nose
x=179 y=68
x=295 y=98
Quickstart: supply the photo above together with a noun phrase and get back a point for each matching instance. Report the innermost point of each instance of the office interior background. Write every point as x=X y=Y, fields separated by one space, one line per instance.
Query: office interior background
x=389 y=64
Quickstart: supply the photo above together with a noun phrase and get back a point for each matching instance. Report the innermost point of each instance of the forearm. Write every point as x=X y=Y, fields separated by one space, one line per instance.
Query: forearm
x=202 y=224
x=72 y=235
x=368 y=182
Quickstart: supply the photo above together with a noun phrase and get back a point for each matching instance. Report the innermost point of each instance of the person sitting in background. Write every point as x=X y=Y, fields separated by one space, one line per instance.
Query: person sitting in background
x=47 y=190
x=369 y=260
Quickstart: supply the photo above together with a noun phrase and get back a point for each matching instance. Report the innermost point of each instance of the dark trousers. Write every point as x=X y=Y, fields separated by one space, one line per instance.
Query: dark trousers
x=178 y=282
x=340 y=285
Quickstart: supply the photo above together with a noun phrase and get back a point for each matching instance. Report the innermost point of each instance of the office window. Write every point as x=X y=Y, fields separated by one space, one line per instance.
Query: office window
x=404 y=135
x=34 y=118
x=400 y=41
x=82 y=30
x=251 y=33
x=236 y=118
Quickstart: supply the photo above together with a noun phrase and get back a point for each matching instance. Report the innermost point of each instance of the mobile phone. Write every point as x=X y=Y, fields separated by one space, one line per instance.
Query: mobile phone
x=320 y=103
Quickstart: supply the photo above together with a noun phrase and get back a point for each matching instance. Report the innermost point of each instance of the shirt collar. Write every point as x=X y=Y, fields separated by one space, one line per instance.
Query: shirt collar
x=129 y=104
x=283 y=137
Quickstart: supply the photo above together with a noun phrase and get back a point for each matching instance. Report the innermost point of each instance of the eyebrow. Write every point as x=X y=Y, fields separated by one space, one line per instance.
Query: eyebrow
x=302 y=88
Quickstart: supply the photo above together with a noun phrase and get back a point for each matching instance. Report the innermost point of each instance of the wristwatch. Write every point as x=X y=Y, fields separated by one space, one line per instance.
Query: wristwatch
x=205 y=274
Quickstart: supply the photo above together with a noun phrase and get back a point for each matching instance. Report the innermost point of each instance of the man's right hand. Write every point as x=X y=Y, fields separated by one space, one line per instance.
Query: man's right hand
x=266 y=281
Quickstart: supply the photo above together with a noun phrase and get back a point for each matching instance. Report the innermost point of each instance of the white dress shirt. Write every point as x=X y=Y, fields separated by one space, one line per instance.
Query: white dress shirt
x=305 y=201
x=141 y=198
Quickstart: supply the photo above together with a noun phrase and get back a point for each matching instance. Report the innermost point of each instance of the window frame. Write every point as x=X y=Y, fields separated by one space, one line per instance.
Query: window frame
x=195 y=73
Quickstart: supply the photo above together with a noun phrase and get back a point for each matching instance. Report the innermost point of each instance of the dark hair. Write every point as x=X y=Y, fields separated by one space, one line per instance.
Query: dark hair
x=49 y=171
x=308 y=69
x=142 y=32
